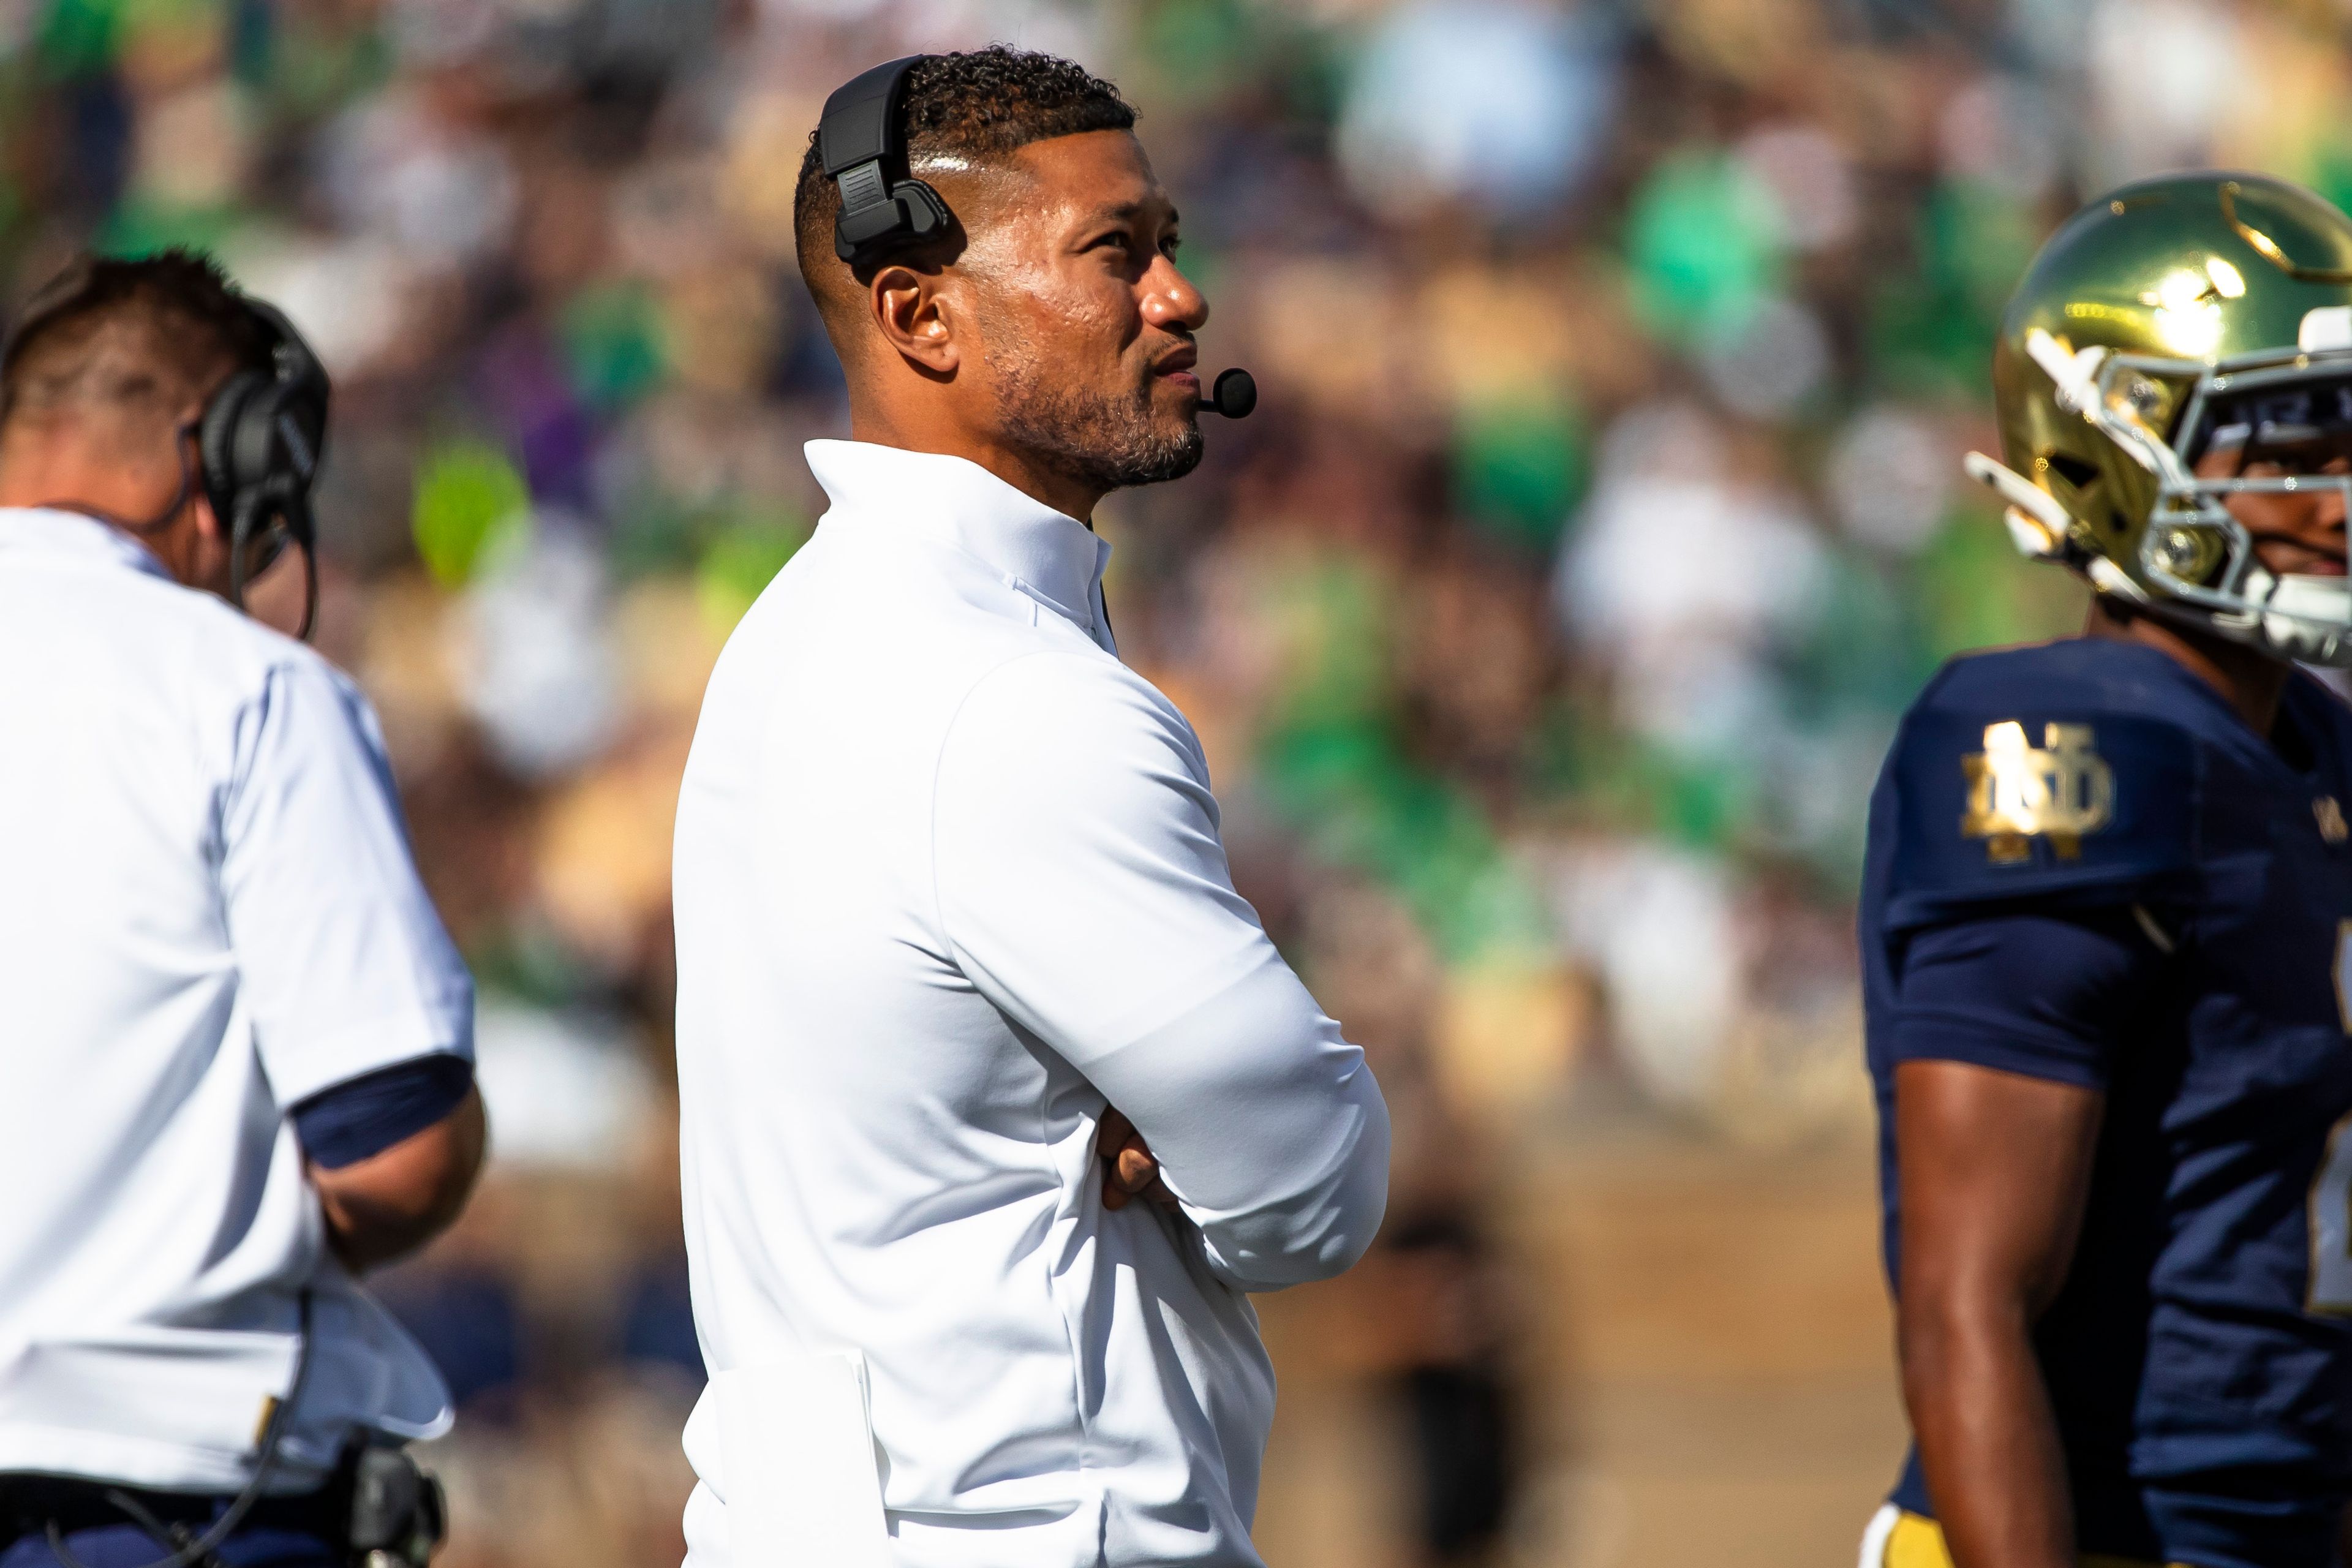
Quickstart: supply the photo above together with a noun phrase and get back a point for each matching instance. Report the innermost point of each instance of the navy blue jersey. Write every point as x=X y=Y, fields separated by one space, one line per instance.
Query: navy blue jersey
x=2084 y=866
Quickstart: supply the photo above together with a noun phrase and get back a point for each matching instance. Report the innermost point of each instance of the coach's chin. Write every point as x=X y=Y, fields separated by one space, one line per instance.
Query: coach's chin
x=996 y=1098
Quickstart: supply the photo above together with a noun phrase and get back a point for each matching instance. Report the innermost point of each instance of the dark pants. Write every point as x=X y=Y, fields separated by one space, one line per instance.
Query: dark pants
x=303 y=1532
x=129 y=1546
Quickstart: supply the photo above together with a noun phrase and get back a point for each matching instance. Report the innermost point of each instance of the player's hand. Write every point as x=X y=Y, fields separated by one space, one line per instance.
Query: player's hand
x=1129 y=1170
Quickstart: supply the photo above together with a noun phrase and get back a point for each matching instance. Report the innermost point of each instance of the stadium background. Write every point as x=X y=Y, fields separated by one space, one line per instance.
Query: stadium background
x=1544 y=629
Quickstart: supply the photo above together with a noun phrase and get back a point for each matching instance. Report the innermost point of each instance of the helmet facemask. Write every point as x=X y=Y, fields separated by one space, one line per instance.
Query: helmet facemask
x=2192 y=557
x=2299 y=411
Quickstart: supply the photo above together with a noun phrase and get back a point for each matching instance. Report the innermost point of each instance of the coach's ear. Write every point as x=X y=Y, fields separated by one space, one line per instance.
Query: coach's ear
x=916 y=317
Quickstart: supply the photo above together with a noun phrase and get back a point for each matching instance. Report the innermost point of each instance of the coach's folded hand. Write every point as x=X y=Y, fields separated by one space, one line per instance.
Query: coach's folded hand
x=1129 y=1168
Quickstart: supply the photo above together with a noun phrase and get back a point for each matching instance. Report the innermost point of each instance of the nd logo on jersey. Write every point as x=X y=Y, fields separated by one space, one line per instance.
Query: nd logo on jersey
x=2059 y=791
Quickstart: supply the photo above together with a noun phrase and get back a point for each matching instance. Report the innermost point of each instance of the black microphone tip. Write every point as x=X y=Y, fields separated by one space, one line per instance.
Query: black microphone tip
x=1234 y=395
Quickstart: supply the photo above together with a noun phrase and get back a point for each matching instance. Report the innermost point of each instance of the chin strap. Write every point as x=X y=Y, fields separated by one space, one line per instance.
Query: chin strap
x=2301 y=617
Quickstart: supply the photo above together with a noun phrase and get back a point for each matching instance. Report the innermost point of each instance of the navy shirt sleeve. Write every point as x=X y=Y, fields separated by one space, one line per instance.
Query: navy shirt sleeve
x=368 y=1114
x=2047 y=994
x=2007 y=789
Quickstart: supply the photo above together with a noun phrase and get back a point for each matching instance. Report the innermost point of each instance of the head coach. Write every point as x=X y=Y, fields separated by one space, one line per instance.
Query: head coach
x=235 y=1041
x=961 y=967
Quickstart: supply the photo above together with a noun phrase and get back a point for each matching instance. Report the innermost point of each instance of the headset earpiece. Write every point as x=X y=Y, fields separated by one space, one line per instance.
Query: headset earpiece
x=857 y=137
x=258 y=443
x=217 y=441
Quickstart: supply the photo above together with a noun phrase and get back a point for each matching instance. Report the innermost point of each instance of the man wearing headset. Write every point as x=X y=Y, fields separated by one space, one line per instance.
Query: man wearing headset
x=237 y=1060
x=961 y=969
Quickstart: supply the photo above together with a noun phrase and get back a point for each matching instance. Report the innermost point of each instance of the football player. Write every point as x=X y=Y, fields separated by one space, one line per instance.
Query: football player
x=2104 y=928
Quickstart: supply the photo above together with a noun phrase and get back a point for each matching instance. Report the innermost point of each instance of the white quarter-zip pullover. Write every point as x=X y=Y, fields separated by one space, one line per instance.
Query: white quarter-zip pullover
x=949 y=881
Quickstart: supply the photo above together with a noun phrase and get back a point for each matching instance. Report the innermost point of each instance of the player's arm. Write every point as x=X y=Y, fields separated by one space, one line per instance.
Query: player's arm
x=1993 y=1168
x=2006 y=1025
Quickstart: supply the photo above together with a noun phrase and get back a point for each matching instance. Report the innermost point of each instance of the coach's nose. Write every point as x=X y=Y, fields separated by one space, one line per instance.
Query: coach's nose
x=1171 y=299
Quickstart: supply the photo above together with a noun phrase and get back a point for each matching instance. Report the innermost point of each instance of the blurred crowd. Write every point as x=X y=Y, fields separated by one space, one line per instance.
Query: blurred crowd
x=1544 y=627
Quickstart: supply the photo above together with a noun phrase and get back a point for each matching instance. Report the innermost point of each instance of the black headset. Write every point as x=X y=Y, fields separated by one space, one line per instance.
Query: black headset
x=882 y=205
x=258 y=442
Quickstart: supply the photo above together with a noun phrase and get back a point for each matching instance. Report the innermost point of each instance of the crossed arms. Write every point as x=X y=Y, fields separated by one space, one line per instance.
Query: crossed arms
x=1083 y=887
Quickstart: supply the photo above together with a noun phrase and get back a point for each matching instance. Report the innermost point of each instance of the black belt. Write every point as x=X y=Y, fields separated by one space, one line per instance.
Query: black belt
x=29 y=1504
x=378 y=1506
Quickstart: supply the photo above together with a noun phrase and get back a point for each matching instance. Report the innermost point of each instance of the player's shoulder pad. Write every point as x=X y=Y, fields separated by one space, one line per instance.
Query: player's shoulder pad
x=2051 y=774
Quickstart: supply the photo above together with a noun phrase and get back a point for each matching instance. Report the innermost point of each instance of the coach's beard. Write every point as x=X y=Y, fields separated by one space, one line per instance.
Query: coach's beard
x=1105 y=443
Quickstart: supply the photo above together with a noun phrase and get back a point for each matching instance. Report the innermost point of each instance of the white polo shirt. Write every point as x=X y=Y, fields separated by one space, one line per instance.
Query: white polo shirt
x=948 y=878
x=207 y=914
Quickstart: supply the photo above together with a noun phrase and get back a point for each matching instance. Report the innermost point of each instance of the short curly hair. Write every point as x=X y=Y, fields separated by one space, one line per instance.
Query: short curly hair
x=978 y=106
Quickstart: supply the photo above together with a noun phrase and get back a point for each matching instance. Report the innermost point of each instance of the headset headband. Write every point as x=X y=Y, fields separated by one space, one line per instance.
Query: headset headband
x=858 y=140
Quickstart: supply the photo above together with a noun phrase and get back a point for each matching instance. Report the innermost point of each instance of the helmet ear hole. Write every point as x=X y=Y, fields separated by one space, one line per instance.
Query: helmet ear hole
x=2080 y=478
x=2072 y=469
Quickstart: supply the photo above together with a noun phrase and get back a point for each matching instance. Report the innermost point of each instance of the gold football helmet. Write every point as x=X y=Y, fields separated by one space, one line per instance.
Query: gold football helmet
x=2170 y=318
